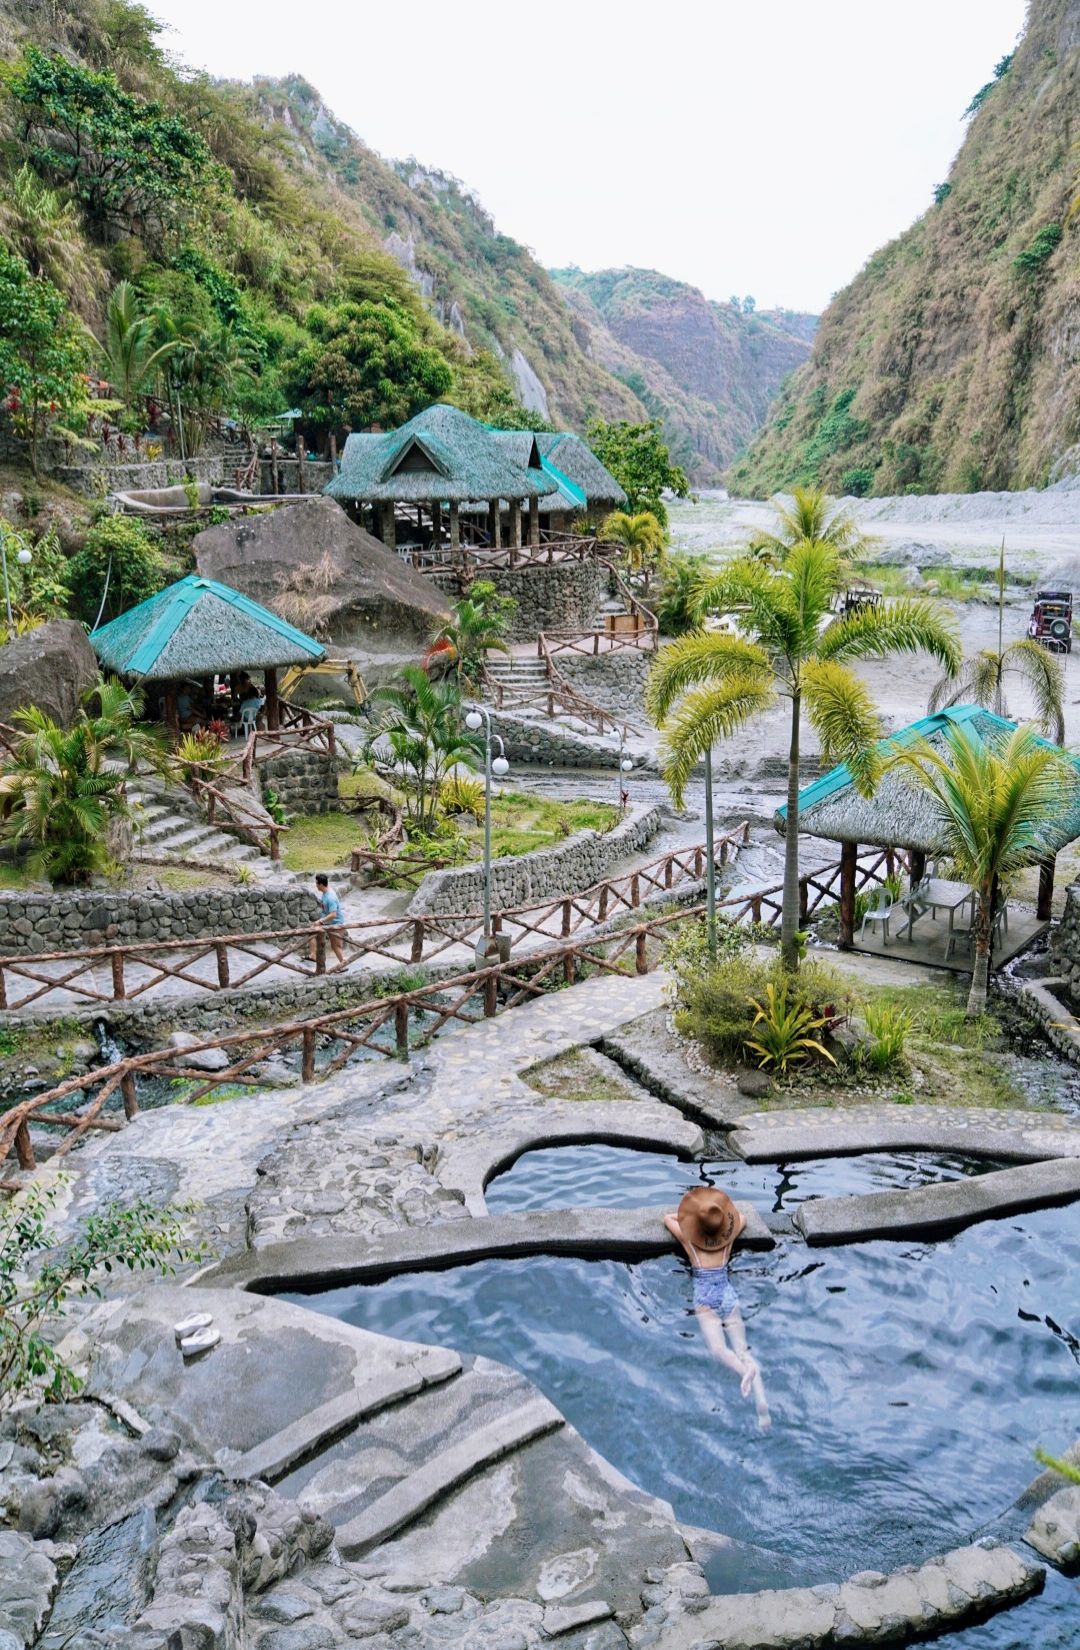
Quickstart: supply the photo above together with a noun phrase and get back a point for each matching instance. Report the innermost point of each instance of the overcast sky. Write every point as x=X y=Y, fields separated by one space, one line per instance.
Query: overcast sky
x=764 y=147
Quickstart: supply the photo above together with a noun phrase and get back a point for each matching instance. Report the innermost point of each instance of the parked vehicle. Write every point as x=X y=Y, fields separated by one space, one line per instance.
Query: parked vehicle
x=1051 y=620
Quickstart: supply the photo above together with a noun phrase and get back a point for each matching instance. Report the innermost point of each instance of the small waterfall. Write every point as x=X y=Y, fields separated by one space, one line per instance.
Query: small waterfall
x=109 y=1048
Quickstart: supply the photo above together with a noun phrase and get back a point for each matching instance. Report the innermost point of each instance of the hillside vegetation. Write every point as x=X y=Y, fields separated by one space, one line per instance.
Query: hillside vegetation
x=952 y=361
x=708 y=371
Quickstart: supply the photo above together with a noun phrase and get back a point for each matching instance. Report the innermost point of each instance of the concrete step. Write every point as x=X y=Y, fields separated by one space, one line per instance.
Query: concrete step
x=166 y=824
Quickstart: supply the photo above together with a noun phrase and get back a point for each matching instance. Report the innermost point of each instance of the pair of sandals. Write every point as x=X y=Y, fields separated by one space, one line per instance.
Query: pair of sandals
x=196 y=1335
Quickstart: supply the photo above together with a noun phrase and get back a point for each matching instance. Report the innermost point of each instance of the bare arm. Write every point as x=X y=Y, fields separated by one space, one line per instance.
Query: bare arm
x=672 y=1224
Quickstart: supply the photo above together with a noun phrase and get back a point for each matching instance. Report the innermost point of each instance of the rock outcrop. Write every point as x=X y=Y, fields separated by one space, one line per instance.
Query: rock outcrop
x=51 y=667
x=320 y=571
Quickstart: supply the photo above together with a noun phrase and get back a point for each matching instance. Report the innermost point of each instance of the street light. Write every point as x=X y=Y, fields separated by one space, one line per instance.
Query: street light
x=24 y=558
x=625 y=766
x=478 y=718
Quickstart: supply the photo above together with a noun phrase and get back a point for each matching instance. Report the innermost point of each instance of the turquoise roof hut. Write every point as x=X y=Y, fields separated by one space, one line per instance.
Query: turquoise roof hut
x=901 y=815
x=199 y=628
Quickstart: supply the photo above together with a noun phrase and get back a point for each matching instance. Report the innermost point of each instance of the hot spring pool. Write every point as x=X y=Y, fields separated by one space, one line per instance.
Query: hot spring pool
x=909 y=1383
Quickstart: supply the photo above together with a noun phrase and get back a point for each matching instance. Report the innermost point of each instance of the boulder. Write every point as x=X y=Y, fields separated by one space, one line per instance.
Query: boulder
x=912 y=554
x=355 y=592
x=51 y=667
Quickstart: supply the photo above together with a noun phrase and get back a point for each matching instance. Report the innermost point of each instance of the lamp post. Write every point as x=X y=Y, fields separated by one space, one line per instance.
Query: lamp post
x=24 y=558
x=625 y=767
x=478 y=718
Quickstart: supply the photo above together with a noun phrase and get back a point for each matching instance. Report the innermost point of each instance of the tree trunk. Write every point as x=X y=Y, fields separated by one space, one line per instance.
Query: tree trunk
x=789 y=922
x=980 y=976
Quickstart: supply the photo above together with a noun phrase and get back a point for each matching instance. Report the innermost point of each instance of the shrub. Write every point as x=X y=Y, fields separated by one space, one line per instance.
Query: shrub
x=198 y=752
x=890 y=1028
x=784 y=1029
x=117 y=568
x=716 y=1006
x=857 y=482
x=461 y=794
x=686 y=953
x=1042 y=248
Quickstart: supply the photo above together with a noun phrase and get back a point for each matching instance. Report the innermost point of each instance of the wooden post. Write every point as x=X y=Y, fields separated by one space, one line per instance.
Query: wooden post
x=515 y=524
x=491 y=995
x=320 y=951
x=3 y=989
x=273 y=708
x=804 y=901
x=918 y=867
x=417 y=952
x=275 y=843
x=849 y=857
x=601 y=912
x=307 y=1064
x=299 y=462
x=118 y=989
x=275 y=473
x=389 y=527
x=635 y=889
x=455 y=525
x=493 y=523
x=24 y=1148
x=1044 y=909
x=401 y=1027
x=567 y=916
x=172 y=710
x=222 y=954
x=534 y=523
x=436 y=523
x=130 y=1094
x=641 y=955
x=333 y=451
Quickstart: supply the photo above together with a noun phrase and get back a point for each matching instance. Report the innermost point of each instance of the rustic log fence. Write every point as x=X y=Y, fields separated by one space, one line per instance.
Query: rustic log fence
x=464 y=999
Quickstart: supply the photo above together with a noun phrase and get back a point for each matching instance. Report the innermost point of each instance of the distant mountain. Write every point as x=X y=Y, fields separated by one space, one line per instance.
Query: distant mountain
x=952 y=361
x=708 y=370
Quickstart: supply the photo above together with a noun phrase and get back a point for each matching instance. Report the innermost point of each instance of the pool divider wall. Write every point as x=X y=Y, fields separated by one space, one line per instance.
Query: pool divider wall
x=925 y=1211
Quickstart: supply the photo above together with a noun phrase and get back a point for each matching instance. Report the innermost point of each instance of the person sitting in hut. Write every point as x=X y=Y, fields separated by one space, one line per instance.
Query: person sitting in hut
x=247 y=694
x=706 y=1225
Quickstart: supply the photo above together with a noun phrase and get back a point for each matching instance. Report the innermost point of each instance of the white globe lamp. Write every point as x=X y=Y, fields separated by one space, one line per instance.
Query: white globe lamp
x=474 y=721
x=500 y=767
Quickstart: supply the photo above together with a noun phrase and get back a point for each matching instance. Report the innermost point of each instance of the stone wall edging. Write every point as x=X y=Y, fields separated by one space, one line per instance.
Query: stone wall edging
x=32 y=923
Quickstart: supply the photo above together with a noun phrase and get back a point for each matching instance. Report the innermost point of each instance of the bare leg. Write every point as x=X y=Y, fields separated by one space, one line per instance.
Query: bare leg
x=752 y=1383
x=338 y=943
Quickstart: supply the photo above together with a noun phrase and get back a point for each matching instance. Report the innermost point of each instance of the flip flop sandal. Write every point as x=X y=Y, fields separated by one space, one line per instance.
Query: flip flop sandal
x=192 y=1346
x=188 y=1326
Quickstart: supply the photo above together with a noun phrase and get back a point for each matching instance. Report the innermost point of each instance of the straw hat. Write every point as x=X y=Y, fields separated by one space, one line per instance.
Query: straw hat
x=708 y=1219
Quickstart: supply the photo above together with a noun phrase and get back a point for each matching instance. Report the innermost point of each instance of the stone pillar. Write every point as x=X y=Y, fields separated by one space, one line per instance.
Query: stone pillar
x=534 y=523
x=849 y=857
x=1044 y=909
x=493 y=523
x=389 y=527
x=273 y=709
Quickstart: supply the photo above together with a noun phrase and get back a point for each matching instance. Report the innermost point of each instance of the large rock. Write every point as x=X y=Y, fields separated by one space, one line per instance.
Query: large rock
x=51 y=667
x=373 y=597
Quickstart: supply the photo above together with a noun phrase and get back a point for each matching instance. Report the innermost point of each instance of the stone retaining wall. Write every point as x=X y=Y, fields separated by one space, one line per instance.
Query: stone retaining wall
x=615 y=681
x=91 y=479
x=577 y=863
x=564 y=596
x=544 y=744
x=73 y=921
x=1065 y=948
x=305 y=782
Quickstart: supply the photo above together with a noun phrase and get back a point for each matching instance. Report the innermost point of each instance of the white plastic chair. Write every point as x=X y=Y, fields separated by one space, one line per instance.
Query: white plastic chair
x=249 y=716
x=880 y=911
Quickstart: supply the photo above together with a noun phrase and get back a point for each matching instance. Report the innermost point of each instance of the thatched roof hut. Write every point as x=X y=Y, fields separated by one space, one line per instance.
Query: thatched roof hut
x=440 y=455
x=570 y=459
x=901 y=814
x=199 y=628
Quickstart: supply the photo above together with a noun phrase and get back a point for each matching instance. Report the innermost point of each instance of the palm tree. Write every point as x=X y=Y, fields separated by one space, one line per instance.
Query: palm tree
x=478 y=622
x=981 y=681
x=706 y=685
x=996 y=808
x=808 y=519
x=423 y=727
x=132 y=359
x=641 y=538
x=63 y=788
x=676 y=598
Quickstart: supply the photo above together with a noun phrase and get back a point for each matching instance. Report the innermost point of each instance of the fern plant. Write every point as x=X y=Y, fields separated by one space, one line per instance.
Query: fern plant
x=785 y=1031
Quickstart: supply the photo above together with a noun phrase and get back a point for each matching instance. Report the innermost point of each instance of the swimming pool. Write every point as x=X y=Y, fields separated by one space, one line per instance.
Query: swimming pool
x=909 y=1383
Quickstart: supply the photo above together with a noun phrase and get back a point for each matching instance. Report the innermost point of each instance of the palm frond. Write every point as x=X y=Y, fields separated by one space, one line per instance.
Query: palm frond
x=1045 y=679
x=701 y=656
x=976 y=682
x=842 y=713
x=911 y=624
x=703 y=717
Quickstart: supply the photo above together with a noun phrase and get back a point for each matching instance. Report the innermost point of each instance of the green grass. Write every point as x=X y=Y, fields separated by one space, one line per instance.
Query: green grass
x=320 y=842
x=950 y=583
x=520 y=824
x=572 y=1076
x=14 y=876
x=942 y=1045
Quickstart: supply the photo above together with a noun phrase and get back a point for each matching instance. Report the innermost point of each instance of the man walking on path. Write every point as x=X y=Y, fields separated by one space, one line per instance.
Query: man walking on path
x=331 y=919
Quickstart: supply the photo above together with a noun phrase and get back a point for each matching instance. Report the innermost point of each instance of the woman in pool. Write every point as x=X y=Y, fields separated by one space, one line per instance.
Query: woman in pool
x=707 y=1225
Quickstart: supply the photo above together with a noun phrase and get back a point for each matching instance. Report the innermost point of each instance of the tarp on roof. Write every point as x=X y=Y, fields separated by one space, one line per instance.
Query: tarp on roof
x=198 y=627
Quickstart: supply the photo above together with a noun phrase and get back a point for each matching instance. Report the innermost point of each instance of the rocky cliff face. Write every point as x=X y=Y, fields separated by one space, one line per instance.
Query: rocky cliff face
x=952 y=361
x=709 y=370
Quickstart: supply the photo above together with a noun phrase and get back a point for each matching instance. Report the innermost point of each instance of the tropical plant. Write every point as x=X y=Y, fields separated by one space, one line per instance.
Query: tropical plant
x=676 y=597
x=706 y=685
x=42 y=226
x=199 y=753
x=131 y=358
x=642 y=539
x=478 y=622
x=117 y=568
x=421 y=727
x=996 y=807
x=810 y=518
x=637 y=457
x=785 y=1031
x=42 y=356
x=459 y=793
x=889 y=1028
x=62 y=789
x=38 y=1274
x=367 y=363
x=980 y=680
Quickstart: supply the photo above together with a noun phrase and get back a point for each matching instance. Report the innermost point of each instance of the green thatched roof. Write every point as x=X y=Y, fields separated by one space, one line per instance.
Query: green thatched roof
x=441 y=454
x=198 y=627
x=901 y=814
x=575 y=460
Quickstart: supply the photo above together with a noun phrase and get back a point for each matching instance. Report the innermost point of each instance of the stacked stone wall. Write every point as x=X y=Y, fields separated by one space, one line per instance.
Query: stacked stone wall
x=304 y=782
x=1065 y=949
x=615 y=681
x=564 y=596
x=73 y=921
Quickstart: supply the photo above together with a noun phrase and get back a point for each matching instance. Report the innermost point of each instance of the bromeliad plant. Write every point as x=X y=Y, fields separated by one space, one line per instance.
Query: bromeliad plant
x=785 y=1031
x=786 y=644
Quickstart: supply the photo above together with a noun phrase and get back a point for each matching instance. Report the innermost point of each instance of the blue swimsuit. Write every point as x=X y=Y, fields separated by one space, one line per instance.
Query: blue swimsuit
x=713 y=1288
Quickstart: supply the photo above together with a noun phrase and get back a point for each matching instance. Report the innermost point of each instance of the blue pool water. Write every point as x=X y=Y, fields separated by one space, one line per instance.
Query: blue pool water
x=909 y=1383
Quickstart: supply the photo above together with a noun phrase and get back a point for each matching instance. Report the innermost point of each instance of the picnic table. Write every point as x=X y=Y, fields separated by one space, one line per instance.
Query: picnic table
x=934 y=895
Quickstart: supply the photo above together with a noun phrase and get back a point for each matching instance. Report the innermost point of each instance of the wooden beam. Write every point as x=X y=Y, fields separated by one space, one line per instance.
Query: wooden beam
x=273 y=709
x=849 y=859
x=1045 y=907
x=493 y=523
x=534 y=522
x=917 y=869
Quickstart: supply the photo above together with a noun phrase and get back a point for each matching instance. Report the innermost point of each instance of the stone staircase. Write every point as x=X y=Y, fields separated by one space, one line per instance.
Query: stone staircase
x=526 y=692
x=169 y=826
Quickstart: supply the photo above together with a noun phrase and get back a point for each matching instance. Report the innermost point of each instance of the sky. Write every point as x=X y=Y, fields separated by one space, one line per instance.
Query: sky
x=766 y=147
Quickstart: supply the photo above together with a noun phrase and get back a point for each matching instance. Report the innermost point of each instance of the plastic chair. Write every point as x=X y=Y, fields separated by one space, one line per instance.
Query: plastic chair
x=880 y=911
x=915 y=904
x=249 y=716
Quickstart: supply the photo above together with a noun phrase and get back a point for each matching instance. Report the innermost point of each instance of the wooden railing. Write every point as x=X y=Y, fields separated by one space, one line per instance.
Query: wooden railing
x=381 y=1025
x=223 y=962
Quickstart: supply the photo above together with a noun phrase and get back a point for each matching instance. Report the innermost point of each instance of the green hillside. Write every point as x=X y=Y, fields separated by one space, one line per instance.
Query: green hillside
x=951 y=362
